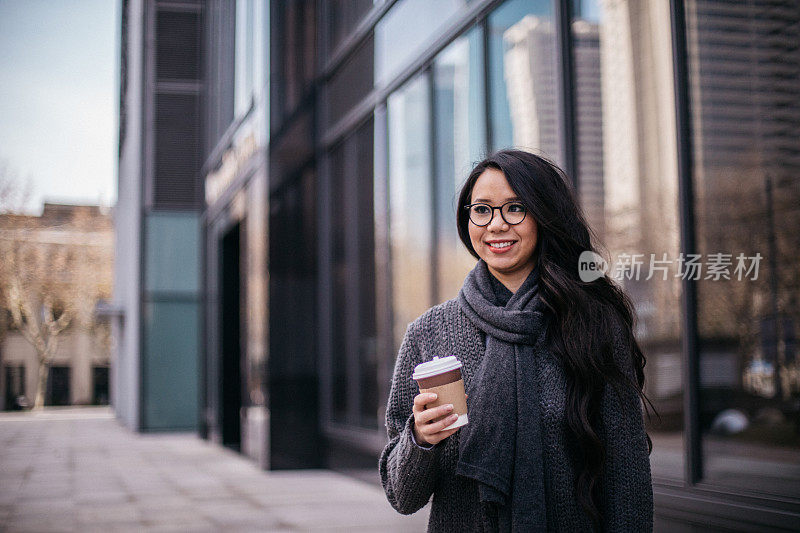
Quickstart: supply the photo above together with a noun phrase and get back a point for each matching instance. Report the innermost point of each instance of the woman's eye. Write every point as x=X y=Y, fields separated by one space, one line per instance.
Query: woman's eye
x=480 y=209
x=516 y=208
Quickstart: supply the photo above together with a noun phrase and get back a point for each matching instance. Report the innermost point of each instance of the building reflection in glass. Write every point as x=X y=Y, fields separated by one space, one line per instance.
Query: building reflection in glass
x=410 y=209
x=626 y=159
x=744 y=64
x=460 y=131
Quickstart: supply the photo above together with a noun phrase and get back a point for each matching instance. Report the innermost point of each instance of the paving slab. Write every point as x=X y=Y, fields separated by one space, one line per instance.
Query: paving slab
x=81 y=470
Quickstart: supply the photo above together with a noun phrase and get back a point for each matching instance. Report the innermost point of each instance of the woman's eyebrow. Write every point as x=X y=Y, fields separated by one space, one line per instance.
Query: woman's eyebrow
x=486 y=200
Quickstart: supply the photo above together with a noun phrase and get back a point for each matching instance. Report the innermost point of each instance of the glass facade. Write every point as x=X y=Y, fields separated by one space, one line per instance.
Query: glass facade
x=343 y=16
x=410 y=203
x=375 y=128
x=293 y=60
x=460 y=140
x=170 y=365
x=743 y=76
x=171 y=240
x=171 y=305
x=523 y=96
x=415 y=24
x=353 y=369
x=626 y=170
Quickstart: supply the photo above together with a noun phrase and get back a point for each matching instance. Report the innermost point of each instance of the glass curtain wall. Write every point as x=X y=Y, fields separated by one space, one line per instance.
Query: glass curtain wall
x=460 y=133
x=743 y=64
x=626 y=158
x=523 y=99
x=410 y=203
x=414 y=24
x=172 y=294
x=354 y=365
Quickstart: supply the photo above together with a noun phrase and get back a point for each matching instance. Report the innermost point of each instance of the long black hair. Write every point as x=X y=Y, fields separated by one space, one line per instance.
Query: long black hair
x=585 y=313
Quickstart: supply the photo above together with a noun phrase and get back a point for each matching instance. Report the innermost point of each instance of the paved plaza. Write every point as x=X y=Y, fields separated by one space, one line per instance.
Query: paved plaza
x=80 y=470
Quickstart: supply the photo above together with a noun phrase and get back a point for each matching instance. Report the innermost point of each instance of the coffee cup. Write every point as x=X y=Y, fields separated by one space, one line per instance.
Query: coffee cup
x=442 y=375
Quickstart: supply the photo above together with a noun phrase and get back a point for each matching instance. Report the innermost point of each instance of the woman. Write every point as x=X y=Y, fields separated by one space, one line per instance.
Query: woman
x=554 y=375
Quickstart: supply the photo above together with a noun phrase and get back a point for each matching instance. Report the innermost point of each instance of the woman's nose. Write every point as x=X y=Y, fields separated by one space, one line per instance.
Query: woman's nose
x=497 y=223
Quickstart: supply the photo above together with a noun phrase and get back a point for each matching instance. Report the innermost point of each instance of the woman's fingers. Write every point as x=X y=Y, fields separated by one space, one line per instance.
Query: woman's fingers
x=430 y=423
x=434 y=413
x=433 y=434
x=422 y=399
x=439 y=425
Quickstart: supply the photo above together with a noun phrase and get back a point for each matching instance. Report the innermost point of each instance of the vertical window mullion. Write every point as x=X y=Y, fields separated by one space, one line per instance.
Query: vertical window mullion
x=353 y=333
x=383 y=275
x=325 y=301
x=565 y=77
x=690 y=361
x=487 y=89
x=434 y=177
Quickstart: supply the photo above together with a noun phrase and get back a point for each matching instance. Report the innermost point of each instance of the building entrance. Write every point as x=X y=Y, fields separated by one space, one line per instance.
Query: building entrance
x=230 y=335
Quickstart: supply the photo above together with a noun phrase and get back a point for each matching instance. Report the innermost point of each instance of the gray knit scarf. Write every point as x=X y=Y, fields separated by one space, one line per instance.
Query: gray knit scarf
x=501 y=447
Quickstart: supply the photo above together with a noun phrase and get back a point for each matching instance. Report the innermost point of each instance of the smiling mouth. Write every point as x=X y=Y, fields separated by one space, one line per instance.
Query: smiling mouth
x=500 y=245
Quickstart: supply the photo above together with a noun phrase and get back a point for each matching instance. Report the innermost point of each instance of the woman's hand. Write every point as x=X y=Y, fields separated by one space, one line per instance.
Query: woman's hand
x=429 y=423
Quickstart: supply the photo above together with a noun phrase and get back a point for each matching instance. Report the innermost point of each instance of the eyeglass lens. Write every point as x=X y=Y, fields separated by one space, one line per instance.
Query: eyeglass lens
x=482 y=214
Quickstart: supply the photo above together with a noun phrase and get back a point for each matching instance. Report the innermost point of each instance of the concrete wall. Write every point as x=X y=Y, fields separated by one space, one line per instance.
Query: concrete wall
x=125 y=363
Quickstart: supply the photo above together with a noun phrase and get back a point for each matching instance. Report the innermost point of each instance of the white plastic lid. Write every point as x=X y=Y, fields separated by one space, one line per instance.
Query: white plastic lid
x=436 y=366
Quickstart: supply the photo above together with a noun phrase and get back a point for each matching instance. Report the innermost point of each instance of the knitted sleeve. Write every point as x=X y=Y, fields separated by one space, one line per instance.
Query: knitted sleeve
x=626 y=482
x=408 y=471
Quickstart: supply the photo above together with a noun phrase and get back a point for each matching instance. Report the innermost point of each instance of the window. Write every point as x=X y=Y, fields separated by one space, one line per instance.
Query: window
x=244 y=51
x=415 y=24
x=171 y=258
x=410 y=204
x=522 y=73
x=344 y=16
x=294 y=34
x=351 y=82
x=460 y=131
x=15 y=387
x=354 y=363
x=743 y=71
x=627 y=180
x=100 y=394
x=58 y=386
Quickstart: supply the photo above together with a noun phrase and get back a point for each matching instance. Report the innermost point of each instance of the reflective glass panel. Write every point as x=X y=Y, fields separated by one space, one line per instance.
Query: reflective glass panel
x=367 y=326
x=339 y=280
x=172 y=254
x=406 y=30
x=344 y=16
x=522 y=74
x=460 y=143
x=244 y=49
x=410 y=205
x=627 y=178
x=169 y=384
x=744 y=65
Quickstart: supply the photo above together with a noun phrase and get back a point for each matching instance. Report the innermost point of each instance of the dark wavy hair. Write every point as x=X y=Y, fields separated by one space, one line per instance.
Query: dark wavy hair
x=583 y=313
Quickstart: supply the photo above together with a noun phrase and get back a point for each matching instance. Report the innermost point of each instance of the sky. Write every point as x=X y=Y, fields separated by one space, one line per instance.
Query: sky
x=59 y=98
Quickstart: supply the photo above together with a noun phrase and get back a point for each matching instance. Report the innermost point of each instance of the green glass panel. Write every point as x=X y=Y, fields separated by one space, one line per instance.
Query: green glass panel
x=170 y=365
x=172 y=253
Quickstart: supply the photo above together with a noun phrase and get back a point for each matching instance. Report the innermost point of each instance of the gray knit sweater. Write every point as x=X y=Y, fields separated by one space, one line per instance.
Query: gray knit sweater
x=411 y=474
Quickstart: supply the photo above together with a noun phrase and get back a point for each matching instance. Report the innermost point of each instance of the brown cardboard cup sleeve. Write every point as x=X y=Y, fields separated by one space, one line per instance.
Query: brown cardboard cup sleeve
x=447 y=393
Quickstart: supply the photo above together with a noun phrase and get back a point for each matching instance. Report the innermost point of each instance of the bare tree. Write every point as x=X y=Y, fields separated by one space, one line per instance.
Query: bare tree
x=14 y=191
x=49 y=279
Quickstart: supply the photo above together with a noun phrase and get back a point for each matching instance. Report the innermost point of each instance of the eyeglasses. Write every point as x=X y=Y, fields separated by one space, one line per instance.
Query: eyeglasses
x=482 y=214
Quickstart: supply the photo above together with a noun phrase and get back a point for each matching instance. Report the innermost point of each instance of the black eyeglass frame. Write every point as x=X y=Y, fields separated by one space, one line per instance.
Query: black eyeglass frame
x=469 y=213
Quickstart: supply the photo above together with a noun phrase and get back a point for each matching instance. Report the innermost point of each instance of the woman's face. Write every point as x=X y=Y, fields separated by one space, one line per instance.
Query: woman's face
x=517 y=259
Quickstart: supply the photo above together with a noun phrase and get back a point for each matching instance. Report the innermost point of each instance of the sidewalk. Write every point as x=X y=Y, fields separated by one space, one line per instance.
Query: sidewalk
x=81 y=470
